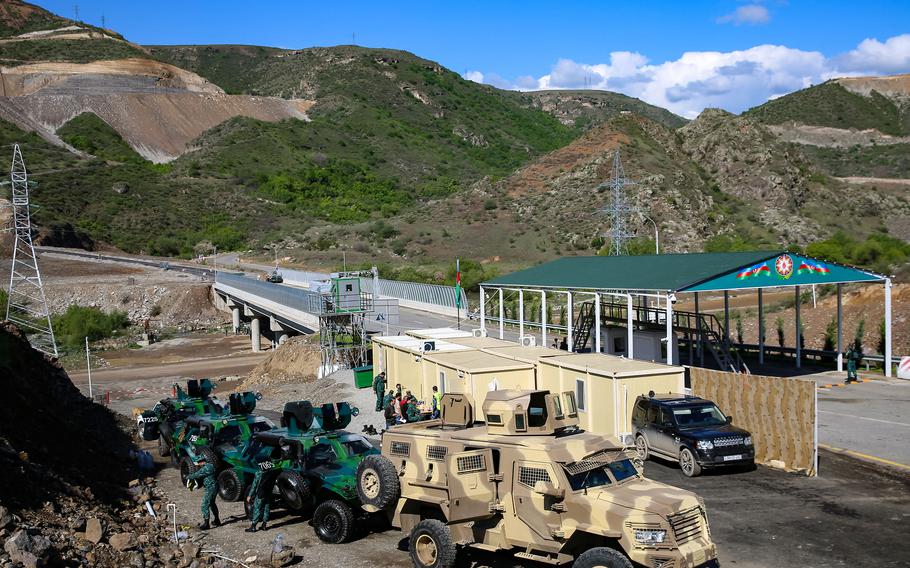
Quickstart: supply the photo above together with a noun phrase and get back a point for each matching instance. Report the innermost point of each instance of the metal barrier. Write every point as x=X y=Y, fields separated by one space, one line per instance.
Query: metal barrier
x=299 y=299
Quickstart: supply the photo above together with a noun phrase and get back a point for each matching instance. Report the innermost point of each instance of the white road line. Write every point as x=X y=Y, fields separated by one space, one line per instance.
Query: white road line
x=864 y=418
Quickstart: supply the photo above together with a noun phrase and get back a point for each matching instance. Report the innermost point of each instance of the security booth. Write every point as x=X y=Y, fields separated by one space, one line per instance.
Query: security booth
x=400 y=356
x=439 y=333
x=475 y=373
x=605 y=386
x=526 y=354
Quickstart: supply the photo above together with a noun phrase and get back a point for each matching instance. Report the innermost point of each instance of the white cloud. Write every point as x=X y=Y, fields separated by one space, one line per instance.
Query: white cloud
x=752 y=14
x=733 y=80
x=475 y=76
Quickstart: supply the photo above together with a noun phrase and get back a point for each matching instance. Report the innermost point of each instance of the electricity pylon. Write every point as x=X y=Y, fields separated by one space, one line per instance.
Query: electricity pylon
x=620 y=210
x=26 y=303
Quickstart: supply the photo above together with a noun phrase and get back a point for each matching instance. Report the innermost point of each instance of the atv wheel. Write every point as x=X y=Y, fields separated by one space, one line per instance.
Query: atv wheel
x=163 y=449
x=431 y=545
x=209 y=455
x=602 y=557
x=687 y=463
x=333 y=521
x=377 y=482
x=294 y=489
x=641 y=448
x=187 y=468
x=230 y=485
x=149 y=431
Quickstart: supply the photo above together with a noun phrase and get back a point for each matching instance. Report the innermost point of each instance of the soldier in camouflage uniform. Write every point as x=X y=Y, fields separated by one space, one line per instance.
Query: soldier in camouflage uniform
x=260 y=495
x=207 y=474
x=379 y=389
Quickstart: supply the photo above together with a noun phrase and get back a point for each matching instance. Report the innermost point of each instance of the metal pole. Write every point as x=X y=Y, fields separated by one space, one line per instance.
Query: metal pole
x=630 y=332
x=88 y=365
x=840 y=329
x=761 y=329
x=887 y=352
x=699 y=349
x=569 y=323
x=597 y=322
x=483 y=310
x=727 y=316
x=501 y=317
x=669 y=330
x=798 y=334
x=521 y=314
x=543 y=318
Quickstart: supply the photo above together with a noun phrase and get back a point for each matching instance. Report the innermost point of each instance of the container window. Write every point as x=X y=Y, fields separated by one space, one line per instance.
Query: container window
x=580 y=398
x=442 y=382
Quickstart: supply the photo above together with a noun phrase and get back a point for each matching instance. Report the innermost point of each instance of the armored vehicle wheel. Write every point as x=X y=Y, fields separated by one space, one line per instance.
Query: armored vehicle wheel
x=687 y=463
x=641 y=447
x=377 y=482
x=209 y=455
x=186 y=468
x=333 y=521
x=230 y=485
x=602 y=557
x=294 y=490
x=163 y=449
x=431 y=545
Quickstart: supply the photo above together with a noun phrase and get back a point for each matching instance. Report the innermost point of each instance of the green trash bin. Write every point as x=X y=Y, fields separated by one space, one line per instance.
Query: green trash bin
x=363 y=377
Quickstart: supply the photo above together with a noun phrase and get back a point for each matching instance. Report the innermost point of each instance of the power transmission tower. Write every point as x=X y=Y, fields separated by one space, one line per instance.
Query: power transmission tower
x=620 y=210
x=26 y=304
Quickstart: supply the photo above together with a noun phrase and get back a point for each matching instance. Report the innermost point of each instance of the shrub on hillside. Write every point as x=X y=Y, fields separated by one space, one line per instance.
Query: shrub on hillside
x=78 y=322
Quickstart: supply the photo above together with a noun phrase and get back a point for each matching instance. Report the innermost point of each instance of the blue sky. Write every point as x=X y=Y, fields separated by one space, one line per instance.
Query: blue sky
x=633 y=47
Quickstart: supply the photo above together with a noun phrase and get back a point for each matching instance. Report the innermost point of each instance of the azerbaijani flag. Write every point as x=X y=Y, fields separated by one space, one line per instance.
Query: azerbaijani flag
x=761 y=268
x=457 y=283
x=812 y=267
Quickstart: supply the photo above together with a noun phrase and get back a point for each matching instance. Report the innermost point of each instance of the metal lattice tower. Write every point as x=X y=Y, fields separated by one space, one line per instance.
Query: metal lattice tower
x=620 y=210
x=27 y=305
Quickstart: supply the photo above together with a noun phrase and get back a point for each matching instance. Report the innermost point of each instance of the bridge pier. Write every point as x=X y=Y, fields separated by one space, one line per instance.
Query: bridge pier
x=256 y=334
x=235 y=318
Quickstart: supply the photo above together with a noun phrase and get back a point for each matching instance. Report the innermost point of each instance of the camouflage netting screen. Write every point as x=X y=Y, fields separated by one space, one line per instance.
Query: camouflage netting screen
x=779 y=412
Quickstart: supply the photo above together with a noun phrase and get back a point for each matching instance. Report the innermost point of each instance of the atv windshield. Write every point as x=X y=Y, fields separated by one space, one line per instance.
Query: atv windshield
x=699 y=416
x=355 y=445
x=606 y=474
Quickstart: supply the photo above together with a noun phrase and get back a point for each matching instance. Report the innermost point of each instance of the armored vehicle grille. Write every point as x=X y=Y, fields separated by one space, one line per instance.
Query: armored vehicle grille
x=436 y=453
x=530 y=475
x=728 y=441
x=402 y=449
x=467 y=464
x=687 y=525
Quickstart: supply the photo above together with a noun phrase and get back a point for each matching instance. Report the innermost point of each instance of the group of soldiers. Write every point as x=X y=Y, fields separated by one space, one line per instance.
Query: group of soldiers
x=259 y=494
x=399 y=407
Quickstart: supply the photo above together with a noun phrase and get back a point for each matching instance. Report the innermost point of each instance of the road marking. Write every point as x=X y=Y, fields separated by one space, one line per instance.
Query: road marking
x=863 y=456
x=864 y=418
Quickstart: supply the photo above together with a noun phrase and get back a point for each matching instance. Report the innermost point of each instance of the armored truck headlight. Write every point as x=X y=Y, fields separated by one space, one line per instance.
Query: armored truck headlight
x=650 y=536
x=705 y=445
x=747 y=440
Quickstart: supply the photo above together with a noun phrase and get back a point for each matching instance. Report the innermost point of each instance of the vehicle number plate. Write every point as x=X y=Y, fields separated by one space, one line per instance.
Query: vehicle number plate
x=733 y=458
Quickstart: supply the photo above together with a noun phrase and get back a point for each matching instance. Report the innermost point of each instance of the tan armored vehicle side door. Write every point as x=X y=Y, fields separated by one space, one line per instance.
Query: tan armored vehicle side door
x=537 y=497
x=472 y=491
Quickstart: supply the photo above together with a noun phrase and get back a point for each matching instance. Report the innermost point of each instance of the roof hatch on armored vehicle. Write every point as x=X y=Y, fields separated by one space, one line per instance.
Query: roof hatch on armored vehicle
x=457 y=410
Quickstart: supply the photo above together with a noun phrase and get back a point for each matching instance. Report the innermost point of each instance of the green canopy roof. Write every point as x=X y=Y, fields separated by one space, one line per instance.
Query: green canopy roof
x=683 y=272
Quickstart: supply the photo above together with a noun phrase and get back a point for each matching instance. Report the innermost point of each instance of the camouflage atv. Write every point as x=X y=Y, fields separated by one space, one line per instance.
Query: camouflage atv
x=160 y=422
x=318 y=460
x=215 y=435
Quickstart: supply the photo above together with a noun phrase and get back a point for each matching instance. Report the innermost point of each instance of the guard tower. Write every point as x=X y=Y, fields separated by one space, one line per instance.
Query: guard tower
x=341 y=324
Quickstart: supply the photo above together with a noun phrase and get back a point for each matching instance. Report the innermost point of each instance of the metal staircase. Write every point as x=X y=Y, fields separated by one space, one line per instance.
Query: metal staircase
x=581 y=330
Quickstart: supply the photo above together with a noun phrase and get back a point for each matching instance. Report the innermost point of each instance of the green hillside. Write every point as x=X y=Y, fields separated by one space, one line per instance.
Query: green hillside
x=830 y=104
x=586 y=108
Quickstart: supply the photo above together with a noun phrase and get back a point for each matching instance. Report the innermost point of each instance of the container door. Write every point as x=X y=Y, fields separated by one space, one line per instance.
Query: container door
x=472 y=492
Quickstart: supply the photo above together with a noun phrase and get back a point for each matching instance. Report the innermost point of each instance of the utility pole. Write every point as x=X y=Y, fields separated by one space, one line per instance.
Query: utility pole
x=103 y=21
x=26 y=303
x=88 y=366
x=76 y=12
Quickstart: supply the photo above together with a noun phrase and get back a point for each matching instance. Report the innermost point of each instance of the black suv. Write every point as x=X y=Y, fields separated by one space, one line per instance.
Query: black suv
x=691 y=430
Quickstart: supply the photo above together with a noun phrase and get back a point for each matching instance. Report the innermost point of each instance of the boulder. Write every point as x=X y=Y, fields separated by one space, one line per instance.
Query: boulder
x=6 y=519
x=123 y=541
x=93 y=531
x=189 y=550
x=30 y=551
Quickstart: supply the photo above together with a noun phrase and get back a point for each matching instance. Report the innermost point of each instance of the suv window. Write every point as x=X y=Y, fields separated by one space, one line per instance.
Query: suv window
x=665 y=418
x=652 y=415
x=640 y=412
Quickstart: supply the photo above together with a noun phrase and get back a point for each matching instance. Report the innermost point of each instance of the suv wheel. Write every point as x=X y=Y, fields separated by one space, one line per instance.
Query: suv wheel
x=602 y=557
x=687 y=463
x=641 y=447
x=377 y=482
x=333 y=521
x=431 y=545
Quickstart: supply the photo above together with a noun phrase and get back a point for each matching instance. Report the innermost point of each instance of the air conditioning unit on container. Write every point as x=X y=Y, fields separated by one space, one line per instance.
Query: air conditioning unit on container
x=528 y=341
x=429 y=346
x=480 y=332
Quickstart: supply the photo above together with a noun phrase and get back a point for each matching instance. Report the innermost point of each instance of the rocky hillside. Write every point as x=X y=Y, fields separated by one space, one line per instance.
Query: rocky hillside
x=586 y=108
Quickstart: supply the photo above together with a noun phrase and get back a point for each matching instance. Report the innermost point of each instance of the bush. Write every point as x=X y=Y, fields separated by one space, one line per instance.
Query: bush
x=78 y=322
x=879 y=251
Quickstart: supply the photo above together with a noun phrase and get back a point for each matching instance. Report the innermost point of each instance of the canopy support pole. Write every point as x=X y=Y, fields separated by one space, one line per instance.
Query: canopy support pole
x=569 y=323
x=761 y=328
x=799 y=335
x=840 y=329
x=630 y=331
x=669 y=330
x=521 y=314
x=887 y=352
x=543 y=318
x=597 y=322
x=699 y=346
x=727 y=316
x=502 y=318
x=483 y=310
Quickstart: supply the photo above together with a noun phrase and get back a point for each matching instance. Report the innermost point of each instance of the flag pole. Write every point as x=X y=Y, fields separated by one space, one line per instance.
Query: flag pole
x=458 y=292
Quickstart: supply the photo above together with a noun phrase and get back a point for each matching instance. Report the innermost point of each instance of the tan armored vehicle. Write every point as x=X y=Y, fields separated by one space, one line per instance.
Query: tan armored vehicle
x=531 y=482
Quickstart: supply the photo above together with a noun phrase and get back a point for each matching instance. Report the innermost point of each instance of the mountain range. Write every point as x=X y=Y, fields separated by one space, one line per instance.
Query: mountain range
x=393 y=158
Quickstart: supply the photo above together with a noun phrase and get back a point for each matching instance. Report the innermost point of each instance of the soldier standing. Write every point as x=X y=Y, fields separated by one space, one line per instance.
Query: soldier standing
x=854 y=356
x=379 y=389
x=260 y=495
x=206 y=473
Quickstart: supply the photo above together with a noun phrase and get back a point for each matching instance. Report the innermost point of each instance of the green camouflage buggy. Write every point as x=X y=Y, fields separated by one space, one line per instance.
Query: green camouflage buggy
x=161 y=422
